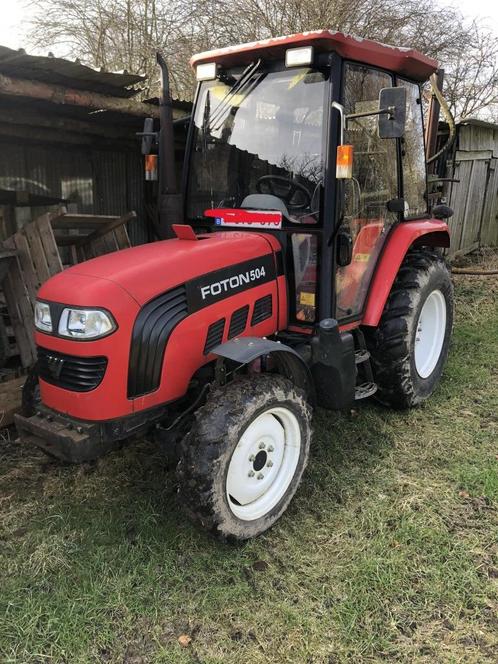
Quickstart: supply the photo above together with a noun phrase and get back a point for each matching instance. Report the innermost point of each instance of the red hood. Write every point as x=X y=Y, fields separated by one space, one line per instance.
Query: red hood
x=145 y=271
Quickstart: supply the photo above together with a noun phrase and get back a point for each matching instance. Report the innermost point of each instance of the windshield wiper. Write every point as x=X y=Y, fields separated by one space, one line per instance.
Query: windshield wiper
x=235 y=89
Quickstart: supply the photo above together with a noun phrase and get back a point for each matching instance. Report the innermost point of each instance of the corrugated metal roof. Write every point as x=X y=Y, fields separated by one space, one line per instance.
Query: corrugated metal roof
x=49 y=69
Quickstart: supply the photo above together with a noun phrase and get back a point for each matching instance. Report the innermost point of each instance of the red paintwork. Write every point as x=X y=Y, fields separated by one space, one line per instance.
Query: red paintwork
x=122 y=282
x=347 y=327
x=405 y=61
x=184 y=232
x=150 y=269
x=397 y=244
x=234 y=216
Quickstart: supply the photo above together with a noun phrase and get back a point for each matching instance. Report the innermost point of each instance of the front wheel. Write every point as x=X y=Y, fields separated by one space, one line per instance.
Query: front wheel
x=410 y=345
x=244 y=457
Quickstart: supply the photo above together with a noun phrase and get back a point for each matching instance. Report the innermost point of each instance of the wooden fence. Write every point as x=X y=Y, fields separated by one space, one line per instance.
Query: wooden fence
x=474 y=198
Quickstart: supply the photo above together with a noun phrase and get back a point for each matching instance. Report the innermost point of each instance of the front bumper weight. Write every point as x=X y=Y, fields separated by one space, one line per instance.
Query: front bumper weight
x=64 y=438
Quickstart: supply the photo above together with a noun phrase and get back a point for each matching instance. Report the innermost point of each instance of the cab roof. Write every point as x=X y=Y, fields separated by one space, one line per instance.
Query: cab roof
x=404 y=61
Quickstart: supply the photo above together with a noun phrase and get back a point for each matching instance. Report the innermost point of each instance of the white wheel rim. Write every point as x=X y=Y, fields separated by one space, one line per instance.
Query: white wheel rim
x=263 y=463
x=429 y=337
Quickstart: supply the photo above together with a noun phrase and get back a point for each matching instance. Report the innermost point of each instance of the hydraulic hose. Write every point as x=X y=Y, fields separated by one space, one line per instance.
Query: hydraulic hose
x=448 y=117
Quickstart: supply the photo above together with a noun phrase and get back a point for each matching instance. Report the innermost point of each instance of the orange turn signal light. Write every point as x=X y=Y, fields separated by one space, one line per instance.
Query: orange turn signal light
x=151 y=166
x=344 y=163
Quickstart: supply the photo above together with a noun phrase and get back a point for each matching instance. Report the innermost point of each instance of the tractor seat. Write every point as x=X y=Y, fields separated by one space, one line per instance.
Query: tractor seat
x=265 y=202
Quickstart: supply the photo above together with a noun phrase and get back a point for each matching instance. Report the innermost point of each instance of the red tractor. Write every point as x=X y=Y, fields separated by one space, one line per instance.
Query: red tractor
x=303 y=268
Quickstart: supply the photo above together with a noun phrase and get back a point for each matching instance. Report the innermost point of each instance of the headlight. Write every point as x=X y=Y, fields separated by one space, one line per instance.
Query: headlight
x=43 y=320
x=85 y=323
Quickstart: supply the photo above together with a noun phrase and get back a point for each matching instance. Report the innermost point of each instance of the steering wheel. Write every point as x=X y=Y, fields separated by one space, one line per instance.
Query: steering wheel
x=292 y=192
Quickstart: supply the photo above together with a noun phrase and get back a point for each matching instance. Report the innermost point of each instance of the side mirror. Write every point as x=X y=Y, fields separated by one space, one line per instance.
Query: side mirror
x=392 y=116
x=149 y=137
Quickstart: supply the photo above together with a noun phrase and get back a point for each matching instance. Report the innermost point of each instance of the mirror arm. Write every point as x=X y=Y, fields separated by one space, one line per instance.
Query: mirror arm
x=383 y=111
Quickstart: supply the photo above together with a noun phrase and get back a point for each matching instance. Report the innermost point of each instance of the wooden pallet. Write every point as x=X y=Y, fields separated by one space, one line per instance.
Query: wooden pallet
x=45 y=247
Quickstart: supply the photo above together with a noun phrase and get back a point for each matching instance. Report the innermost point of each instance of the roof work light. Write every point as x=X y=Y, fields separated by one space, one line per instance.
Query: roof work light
x=206 y=71
x=297 y=57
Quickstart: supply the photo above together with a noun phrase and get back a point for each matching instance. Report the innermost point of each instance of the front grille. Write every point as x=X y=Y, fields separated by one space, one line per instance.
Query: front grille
x=79 y=374
x=238 y=321
x=151 y=331
x=214 y=335
x=262 y=309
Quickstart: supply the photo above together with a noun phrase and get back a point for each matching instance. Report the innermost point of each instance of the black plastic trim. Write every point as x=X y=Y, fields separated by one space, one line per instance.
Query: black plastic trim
x=75 y=373
x=151 y=331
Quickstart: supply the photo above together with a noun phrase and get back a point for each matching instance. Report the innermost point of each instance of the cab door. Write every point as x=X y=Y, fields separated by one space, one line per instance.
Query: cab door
x=375 y=182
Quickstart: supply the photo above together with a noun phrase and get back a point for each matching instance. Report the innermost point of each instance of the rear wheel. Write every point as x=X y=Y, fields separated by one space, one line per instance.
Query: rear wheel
x=245 y=455
x=410 y=345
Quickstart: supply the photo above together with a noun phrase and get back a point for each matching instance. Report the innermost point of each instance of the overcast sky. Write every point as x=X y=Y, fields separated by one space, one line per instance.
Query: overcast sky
x=16 y=13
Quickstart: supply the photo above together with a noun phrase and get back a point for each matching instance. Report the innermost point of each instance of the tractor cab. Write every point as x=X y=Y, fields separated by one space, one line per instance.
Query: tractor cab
x=300 y=137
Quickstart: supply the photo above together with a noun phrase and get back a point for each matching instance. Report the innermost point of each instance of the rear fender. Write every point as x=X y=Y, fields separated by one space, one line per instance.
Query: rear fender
x=290 y=364
x=423 y=232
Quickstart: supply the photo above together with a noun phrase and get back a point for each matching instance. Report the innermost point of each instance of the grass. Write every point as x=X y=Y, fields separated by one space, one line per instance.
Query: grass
x=388 y=553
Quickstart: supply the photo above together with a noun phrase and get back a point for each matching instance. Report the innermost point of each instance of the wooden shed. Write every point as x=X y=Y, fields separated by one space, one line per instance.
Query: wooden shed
x=474 y=198
x=68 y=135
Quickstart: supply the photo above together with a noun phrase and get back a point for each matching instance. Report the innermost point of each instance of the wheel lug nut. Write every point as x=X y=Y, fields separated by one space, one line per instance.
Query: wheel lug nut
x=262 y=446
x=251 y=458
x=269 y=464
x=250 y=473
x=270 y=448
x=260 y=476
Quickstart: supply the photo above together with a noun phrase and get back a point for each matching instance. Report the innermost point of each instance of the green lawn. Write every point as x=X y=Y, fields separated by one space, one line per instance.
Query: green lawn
x=389 y=552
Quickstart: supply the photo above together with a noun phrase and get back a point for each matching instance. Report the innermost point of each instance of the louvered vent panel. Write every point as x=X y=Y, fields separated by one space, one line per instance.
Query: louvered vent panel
x=262 y=309
x=238 y=321
x=214 y=335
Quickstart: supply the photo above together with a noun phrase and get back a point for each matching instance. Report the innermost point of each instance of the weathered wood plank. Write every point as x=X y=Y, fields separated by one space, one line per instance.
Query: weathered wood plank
x=21 y=314
x=37 y=251
x=92 y=221
x=29 y=274
x=473 y=155
x=122 y=239
x=52 y=255
x=116 y=223
x=98 y=246
x=489 y=228
x=475 y=203
x=458 y=202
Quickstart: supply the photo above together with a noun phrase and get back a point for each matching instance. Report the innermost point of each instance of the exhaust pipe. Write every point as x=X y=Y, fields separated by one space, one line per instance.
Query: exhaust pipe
x=170 y=203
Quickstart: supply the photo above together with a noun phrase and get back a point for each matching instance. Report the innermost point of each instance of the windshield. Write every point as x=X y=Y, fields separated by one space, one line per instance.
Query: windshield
x=258 y=143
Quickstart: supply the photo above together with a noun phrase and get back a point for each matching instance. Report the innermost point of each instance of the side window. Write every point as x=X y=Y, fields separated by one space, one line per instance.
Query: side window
x=374 y=183
x=413 y=153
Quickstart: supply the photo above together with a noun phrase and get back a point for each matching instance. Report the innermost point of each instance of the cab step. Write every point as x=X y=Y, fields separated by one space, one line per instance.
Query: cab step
x=361 y=355
x=365 y=390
